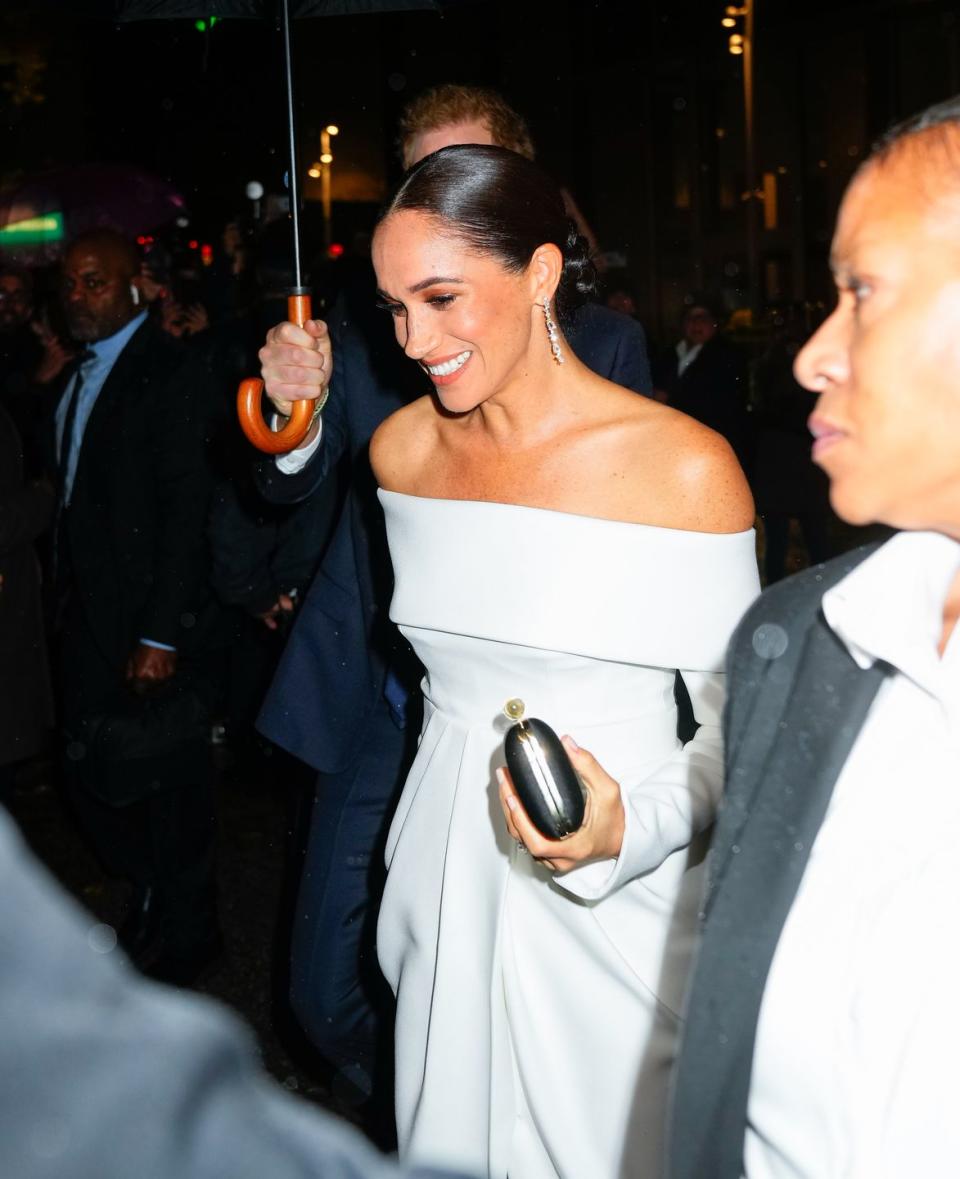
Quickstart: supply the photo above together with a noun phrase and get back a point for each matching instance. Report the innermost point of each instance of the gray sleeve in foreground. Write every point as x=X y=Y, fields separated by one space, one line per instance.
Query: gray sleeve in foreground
x=106 y=1076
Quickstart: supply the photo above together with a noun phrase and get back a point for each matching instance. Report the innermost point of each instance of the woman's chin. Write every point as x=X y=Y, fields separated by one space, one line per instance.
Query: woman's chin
x=458 y=400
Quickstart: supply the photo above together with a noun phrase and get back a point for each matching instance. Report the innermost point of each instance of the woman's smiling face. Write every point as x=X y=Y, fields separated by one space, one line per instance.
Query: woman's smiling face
x=463 y=316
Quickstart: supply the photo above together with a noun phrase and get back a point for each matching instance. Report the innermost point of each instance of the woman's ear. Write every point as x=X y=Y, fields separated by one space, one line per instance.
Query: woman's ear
x=545 y=270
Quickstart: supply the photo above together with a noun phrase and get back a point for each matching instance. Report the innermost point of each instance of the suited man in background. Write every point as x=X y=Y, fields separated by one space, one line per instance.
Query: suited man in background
x=822 y=1028
x=705 y=376
x=346 y=697
x=130 y=579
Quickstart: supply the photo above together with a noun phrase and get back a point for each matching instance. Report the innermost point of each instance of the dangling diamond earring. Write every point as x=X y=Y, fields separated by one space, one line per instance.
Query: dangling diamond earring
x=553 y=333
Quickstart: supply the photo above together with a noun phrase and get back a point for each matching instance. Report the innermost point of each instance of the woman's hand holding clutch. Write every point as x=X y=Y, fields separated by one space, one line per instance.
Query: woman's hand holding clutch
x=601 y=835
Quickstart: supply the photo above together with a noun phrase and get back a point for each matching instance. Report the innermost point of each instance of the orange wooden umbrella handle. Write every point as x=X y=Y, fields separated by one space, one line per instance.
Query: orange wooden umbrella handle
x=251 y=391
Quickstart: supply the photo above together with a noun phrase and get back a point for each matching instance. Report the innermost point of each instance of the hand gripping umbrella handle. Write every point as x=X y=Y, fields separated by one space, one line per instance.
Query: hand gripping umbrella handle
x=251 y=390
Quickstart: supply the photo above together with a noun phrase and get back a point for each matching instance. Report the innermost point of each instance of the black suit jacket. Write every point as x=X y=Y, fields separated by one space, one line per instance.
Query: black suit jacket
x=332 y=671
x=133 y=538
x=713 y=389
x=26 y=509
x=795 y=705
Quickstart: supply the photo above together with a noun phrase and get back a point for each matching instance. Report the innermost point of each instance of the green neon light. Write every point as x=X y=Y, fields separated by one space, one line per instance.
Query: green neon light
x=48 y=228
x=200 y=26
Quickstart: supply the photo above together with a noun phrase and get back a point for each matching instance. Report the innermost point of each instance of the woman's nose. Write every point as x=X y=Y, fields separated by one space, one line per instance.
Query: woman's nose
x=420 y=338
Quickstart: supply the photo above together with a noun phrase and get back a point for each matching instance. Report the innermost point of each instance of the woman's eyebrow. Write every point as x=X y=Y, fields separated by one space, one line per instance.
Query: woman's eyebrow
x=429 y=282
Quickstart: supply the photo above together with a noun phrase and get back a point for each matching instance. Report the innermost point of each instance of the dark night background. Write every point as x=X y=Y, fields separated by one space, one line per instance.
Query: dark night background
x=635 y=104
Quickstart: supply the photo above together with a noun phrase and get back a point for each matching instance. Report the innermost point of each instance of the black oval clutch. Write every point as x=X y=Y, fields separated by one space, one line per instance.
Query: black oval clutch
x=544 y=778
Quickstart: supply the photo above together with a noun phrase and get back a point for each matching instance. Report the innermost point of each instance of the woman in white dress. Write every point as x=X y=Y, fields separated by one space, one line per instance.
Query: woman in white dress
x=562 y=540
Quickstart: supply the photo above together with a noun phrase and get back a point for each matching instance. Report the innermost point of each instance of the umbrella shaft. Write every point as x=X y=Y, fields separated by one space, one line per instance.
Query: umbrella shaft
x=294 y=175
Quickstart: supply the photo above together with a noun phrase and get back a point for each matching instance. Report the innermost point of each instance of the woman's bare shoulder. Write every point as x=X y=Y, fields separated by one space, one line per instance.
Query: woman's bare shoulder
x=703 y=485
x=401 y=442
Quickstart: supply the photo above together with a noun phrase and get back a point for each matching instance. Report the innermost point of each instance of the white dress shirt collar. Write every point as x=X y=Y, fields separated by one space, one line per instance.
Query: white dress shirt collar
x=891 y=606
x=686 y=355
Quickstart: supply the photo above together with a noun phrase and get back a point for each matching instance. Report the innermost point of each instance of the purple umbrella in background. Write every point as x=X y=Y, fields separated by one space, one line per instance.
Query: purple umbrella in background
x=47 y=209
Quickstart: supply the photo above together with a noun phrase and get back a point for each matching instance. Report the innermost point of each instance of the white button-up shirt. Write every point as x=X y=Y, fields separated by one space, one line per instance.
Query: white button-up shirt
x=855 y=1071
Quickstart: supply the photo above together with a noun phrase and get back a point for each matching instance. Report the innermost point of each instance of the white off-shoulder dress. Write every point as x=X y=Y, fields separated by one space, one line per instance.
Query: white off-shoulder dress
x=537 y=1014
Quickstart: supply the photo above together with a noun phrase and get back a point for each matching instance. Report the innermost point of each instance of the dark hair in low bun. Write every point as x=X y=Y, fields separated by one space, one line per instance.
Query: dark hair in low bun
x=579 y=272
x=503 y=205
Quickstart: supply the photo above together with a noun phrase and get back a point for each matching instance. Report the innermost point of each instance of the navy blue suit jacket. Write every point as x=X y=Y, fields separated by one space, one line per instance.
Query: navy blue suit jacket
x=332 y=672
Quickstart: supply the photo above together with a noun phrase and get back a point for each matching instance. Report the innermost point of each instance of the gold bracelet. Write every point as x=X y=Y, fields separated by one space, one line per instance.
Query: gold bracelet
x=320 y=403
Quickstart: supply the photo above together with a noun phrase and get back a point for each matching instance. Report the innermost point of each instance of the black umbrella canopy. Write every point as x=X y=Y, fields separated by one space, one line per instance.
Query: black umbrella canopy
x=131 y=10
x=139 y=10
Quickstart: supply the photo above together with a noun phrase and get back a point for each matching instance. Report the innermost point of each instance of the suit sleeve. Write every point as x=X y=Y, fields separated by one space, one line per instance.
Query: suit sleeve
x=24 y=514
x=280 y=488
x=631 y=365
x=241 y=545
x=182 y=486
x=107 y=1075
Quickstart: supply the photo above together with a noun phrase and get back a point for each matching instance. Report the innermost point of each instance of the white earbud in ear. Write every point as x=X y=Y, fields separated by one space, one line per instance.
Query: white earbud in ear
x=135 y=295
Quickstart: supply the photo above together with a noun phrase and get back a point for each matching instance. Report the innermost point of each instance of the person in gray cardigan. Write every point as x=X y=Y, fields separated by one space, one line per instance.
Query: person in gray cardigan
x=822 y=1028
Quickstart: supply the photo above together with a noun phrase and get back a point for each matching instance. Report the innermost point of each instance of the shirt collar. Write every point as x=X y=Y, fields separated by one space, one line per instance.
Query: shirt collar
x=109 y=348
x=890 y=607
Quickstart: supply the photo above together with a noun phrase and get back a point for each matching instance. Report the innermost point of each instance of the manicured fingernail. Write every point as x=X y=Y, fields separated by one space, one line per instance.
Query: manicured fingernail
x=571 y=743
x=511 y=803
x=499 y=772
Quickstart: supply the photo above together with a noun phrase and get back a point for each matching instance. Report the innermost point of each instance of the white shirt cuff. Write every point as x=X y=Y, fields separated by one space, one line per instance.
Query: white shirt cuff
x=296 y=460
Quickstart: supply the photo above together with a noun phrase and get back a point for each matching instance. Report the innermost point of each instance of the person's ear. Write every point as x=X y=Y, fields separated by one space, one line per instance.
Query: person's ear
x=545 y=270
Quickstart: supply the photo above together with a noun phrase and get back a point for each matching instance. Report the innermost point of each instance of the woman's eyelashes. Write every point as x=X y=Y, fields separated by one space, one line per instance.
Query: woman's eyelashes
x=393 y=308
x=438 y=301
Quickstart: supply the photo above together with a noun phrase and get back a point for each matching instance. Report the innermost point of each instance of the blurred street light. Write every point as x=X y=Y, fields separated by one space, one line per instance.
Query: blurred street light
x=320 y=170
x=740 y=44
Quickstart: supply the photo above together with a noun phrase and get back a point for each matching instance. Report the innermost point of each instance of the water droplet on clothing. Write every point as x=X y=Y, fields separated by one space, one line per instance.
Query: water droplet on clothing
x=102 y=939
x=770 y=640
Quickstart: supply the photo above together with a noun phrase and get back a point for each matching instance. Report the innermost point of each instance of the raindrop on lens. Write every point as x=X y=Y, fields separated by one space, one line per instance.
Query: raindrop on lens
x=102 y=939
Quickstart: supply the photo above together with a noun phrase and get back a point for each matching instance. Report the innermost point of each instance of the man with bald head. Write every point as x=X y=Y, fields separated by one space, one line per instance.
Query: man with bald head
x=823 y=1027
x=130 y=587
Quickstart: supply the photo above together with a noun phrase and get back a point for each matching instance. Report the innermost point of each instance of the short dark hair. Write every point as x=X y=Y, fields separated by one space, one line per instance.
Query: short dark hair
x=706 y=300
x=503 y=205
x=112 y=241
x=940 y=115
x=929 y=143
x=10 y=270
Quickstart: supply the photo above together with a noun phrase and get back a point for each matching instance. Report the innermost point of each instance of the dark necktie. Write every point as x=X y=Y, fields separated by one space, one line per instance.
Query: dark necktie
x=69 y=425
x=60 y=575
